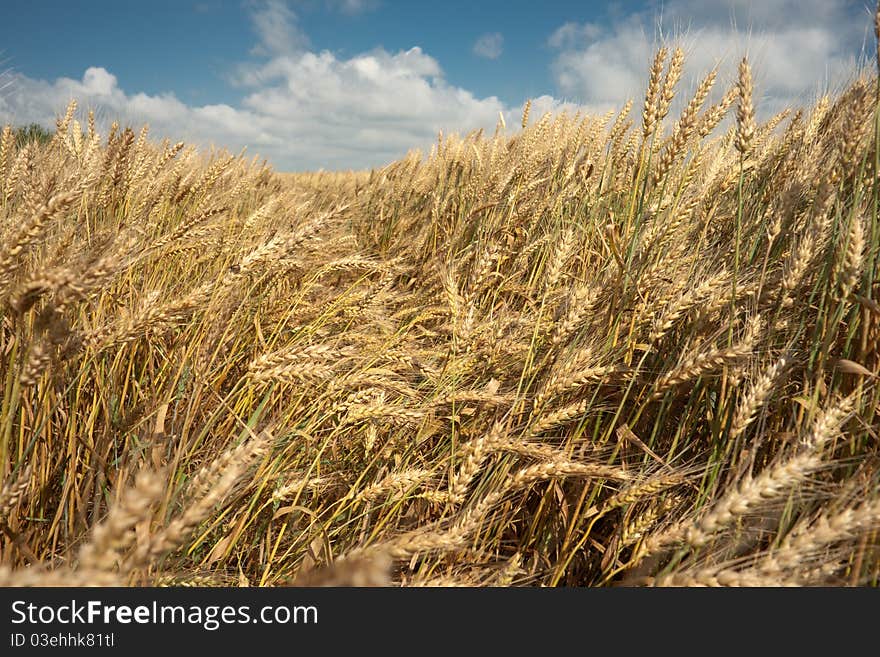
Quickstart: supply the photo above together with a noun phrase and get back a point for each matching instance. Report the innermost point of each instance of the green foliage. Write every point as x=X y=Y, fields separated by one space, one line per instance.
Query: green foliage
x=30 y=133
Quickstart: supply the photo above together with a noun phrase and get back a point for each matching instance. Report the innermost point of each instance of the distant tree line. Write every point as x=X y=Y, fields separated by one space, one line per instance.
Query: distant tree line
x=32 y=132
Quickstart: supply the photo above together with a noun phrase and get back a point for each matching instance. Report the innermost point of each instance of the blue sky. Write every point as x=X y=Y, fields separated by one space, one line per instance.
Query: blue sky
x=342 y=84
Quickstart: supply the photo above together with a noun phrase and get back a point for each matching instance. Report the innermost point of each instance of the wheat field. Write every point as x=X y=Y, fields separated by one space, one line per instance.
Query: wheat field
x=632 y=349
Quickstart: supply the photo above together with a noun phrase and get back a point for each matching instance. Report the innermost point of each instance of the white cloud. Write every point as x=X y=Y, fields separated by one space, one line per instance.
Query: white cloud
x=301 y=109
x=27 y=100
x=305 y=109
x=316 y=111
x=353 y=7
x=489 y=45
x=608 y=70
x=278 y=29
x=380 y=102
x=797 y=49
x=572 y=35
x=765 y=14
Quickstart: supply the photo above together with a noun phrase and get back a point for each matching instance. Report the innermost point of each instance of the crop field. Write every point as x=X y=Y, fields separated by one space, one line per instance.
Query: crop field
x=632 y=349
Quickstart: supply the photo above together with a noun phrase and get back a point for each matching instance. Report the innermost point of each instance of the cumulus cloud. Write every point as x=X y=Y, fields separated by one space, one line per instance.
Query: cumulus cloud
x=798 y=48
x=352 y=7
x=489 y=45
x=277 y=27
x=27 y=100
x=574 y=35
x=305 y=109
x=314 y=111
x=376 y=103
x=301 y=109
